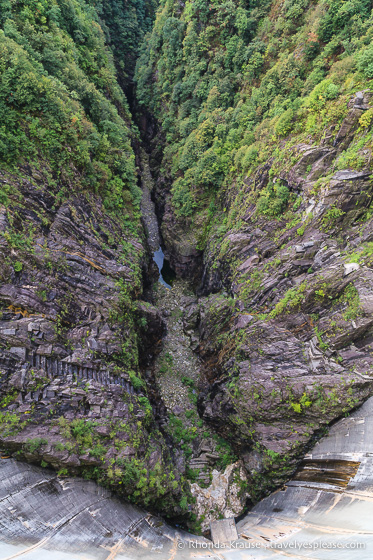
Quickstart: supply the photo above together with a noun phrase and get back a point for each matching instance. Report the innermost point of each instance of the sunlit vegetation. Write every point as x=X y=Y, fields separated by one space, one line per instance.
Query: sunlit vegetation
x=60 y=100
x=229 y=80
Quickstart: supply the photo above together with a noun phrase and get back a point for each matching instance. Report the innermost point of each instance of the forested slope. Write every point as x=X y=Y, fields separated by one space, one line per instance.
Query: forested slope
x=229 y=80
x=125 y=24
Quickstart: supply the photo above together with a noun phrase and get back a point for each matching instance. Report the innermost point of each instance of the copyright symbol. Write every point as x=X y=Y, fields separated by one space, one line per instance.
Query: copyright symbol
x=180 y=544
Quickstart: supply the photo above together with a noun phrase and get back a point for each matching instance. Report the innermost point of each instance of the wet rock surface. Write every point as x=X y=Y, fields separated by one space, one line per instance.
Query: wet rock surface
x=311 y=511
x=43 y=515
x=328 y=501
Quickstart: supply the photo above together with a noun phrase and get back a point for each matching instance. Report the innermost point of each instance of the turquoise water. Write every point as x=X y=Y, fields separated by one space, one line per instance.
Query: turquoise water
x=166 y=274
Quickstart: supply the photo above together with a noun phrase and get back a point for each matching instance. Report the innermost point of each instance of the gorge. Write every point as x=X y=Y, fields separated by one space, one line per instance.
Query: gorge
x=186 y=286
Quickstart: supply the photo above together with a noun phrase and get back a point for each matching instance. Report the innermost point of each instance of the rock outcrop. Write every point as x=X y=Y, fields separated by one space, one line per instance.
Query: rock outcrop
x=224 y=497
x=287 y=341
x=73 y=340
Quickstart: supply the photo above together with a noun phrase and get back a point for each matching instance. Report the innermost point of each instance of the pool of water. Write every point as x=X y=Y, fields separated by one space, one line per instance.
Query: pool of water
x=166 y=274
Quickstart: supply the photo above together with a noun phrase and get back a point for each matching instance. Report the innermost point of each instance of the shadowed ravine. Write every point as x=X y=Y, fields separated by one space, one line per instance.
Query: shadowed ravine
x=150 y=222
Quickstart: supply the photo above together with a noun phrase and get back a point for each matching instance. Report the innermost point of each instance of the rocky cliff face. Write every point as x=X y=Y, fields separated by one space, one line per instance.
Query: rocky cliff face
x=329 y=498
x=70 y=331
x=75 y=332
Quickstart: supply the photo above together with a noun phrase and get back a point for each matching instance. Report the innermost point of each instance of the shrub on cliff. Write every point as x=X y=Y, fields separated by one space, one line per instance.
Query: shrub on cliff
x=365 y=62
x=285 y=123
x=273 y=199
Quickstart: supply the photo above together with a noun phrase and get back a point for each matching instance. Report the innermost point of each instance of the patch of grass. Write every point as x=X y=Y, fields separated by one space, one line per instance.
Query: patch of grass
x=365 y=253
x=35 y=444
x=166 y=363
x=331 y=217
x=351 y=297
x=292 y=298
